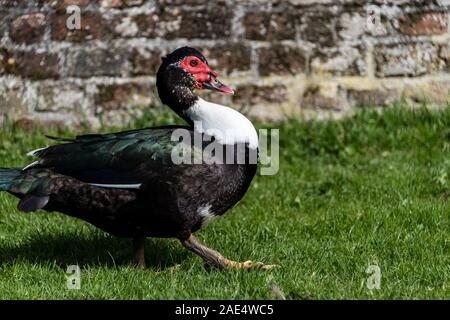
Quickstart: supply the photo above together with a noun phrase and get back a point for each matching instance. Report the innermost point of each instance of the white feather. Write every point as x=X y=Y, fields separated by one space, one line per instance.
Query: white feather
x=206 y=214
x=33 y=153
x=30 y=165
x=118 y=186
x=227 y=125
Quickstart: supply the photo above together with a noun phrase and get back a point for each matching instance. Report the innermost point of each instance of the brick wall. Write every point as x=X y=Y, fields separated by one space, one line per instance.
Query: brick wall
x=285 y=58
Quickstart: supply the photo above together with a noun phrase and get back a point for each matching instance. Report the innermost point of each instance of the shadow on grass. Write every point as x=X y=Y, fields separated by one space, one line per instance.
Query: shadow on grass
x=98 y=251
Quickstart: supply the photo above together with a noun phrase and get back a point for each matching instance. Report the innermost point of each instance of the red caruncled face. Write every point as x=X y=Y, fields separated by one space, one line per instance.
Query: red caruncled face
x=205 y=77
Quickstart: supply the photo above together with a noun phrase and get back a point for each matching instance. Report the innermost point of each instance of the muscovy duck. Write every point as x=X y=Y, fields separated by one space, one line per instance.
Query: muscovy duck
x=127 y=183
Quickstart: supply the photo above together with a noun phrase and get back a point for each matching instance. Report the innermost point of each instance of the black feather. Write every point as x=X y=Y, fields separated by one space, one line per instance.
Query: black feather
x=31 y=203
x=58 y=138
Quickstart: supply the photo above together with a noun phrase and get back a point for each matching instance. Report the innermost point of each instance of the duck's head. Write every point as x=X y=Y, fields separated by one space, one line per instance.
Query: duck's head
x=181 y=73
x=186 y=70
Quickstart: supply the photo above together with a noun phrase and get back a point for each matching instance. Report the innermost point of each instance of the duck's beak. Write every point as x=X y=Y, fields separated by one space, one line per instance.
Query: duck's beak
x=214 y=84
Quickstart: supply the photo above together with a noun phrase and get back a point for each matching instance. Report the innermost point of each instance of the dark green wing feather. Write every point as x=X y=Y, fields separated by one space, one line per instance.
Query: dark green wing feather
x=129 y=157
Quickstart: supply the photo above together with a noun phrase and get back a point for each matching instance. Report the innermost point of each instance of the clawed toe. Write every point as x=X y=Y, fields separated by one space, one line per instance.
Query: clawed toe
x=258 y=265
x=247 y=265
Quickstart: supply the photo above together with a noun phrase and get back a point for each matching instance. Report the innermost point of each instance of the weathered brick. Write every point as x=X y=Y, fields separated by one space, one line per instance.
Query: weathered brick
x=54 y=120
x=13 y=102
x=3 y=60
x=162 y=23
x=270 y=26
x=213 y=21
x=372 y=97
x=327 y=2
x=445 y=56
x=30 y=64
x=143 y=25
x=93 y=26
x=4 y=22
x=280 y=59
x=405 y=2
x=340 y=61
x=97 y=62
x=428 y=92
x=61 y=5
x=180 y=2
x=355 y=4
x=60 y=97
x=28 y=28
x=380 y=23
x=407 y=59
x=315 y=98
x=428 y=23
x=251 y=94
x=116 y=104
x=13 y=3
x=145 y=61
x=126 y=26
x=319 y=28
x=352 y=25
x=123 y=96
x=66 y=3
x=228 y=57
x=120 y=3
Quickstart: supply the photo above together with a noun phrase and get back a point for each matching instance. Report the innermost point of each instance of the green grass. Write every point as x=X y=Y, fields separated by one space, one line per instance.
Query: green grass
x=371 y=189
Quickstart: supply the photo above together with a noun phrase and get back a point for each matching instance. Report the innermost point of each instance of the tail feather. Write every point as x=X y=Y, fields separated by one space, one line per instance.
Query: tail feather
x=30 y=187
x=7 y=175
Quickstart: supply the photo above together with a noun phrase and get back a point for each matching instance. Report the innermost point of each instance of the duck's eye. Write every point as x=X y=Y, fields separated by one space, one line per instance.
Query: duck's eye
x=193 y=63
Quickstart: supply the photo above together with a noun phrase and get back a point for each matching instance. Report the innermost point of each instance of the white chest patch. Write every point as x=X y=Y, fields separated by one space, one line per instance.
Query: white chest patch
x=227 y=125
x=206 y=214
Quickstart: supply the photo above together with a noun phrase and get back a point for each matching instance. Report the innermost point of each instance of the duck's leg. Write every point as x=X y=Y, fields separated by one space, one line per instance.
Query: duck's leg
x=138 y=247
x=216 y=259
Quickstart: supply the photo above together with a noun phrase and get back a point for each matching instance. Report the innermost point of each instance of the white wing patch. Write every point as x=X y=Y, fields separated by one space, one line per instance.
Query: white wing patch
x=33 y=153
x=206 y=214
x=30 y=165
x=117 y=186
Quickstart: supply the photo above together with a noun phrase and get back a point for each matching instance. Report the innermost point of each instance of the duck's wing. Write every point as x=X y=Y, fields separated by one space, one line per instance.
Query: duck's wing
x=123 y=160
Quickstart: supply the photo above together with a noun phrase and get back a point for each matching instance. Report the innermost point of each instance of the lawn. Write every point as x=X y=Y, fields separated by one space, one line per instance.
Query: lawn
x=368 y=190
